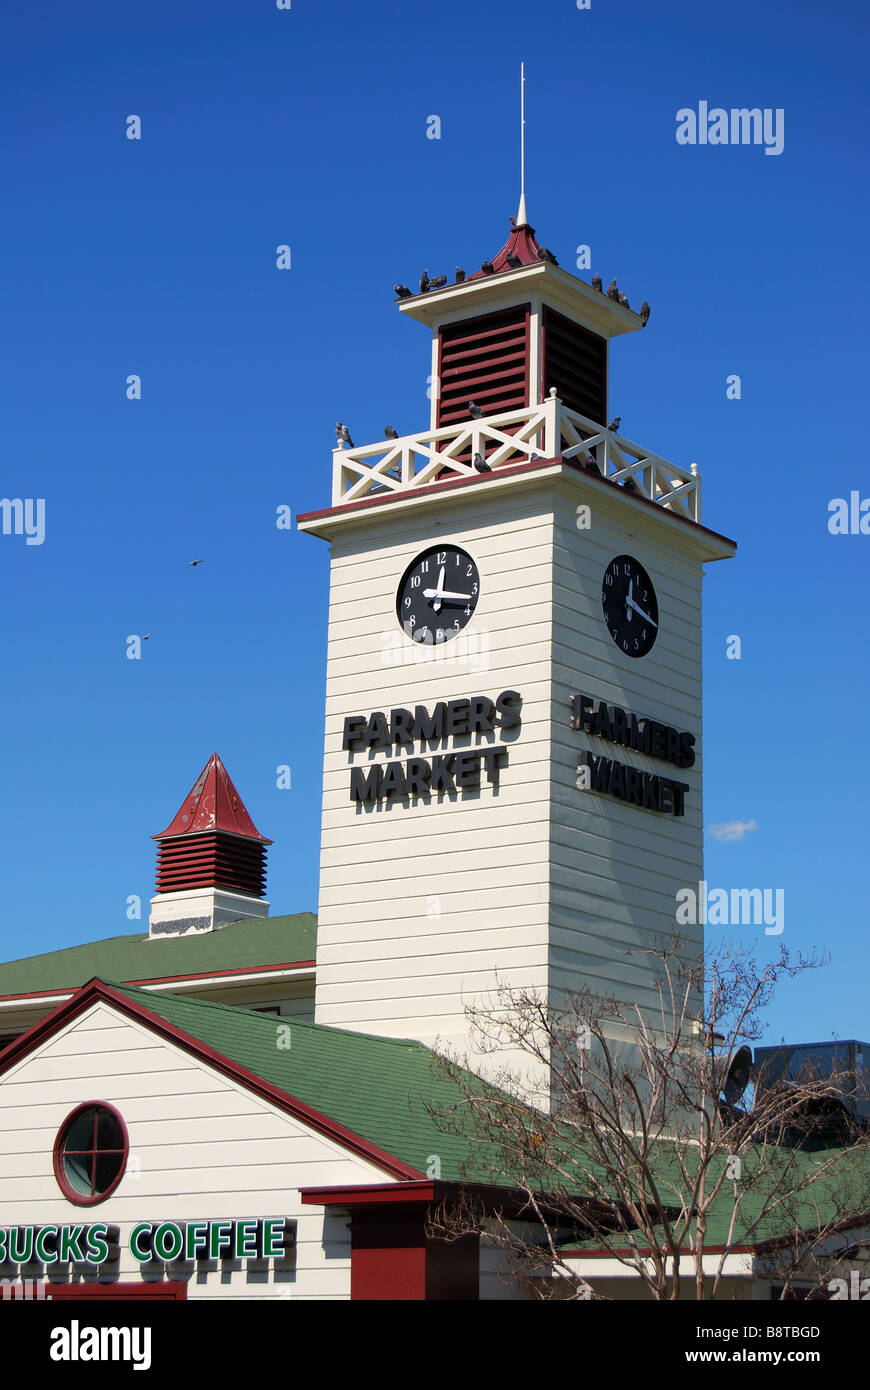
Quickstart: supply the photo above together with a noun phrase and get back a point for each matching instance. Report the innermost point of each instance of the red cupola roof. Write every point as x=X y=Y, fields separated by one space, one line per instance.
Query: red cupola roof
x=521 y=243
x=212 y=804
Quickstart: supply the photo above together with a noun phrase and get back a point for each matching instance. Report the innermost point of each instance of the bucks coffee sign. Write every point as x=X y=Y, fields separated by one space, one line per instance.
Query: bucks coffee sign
x=97 y=1244
x=458 y=769
x=602 y=773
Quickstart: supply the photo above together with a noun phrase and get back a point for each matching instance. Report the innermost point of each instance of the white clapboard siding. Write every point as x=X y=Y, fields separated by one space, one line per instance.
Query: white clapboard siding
x=205 y=1147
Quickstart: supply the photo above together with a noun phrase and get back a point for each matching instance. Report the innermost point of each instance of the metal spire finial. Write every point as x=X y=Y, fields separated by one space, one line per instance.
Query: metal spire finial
x=521 y=212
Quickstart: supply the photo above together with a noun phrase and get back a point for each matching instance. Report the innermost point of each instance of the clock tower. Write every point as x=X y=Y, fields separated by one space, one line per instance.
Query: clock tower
x=513 y=752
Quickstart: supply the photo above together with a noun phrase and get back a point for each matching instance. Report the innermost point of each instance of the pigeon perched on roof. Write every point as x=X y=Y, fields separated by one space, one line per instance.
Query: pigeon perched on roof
x=425 y=282
x=644 y=312
x=513 y=221
x=513 y=260
x=544 y=254
x=487 y=267
x=481 y=464
x=342 y=434
x=437 y=283
x=402 y=291
x=475 y=411
x=612 y=291
x=390 y=433
x=590 y=463
x=631 y=486
x=623 y=299
x=460 y=275
x=614 y=424
x=596 y=284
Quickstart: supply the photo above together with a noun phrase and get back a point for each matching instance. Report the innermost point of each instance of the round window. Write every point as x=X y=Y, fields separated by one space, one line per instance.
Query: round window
x=90 y=1153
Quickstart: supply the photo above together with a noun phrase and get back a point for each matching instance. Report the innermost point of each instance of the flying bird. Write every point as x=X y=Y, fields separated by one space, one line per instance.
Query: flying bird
x=425 y=282
x=623 y=299
x=402 y=291
x=614 y=424
x=596 y=284
x=612 y=291
x=145 y=636
x=191 y=563
x=546 y=255
x=487 y=267
x=513 y=260
x=480 y=464
x=438 y=282
x=390 y=433
x=342 y=434
x=460 y=275
x=475 y=411
x=644 y=312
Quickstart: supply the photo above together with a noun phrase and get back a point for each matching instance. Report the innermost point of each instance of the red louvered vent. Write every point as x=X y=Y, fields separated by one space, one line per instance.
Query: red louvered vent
x=575 y=362
x=486 y=360
x=213 y=860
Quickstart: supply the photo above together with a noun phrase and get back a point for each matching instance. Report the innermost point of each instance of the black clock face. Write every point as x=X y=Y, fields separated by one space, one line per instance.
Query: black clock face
x=631 y=609
x=438 y=595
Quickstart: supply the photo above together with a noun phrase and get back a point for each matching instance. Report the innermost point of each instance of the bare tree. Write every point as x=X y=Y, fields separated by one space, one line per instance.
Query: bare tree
x=640 y=1154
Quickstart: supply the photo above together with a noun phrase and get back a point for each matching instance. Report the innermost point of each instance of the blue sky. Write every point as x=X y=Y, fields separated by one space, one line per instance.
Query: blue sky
x=308 y=127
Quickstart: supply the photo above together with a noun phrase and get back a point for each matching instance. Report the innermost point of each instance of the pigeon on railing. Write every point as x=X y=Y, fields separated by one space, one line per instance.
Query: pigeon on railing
x=596 y=284
x=402 y=291
x=612 y=291
x=342 y=434
x=475 y=411
x=390 y=433
x=481 y=464
x=614 y=424
x=644 y=313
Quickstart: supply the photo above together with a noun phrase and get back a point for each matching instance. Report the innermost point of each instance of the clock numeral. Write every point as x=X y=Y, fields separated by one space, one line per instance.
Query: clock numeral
x=468 y=570
x=456 y=625
x=424 y=568
x=474 y=588
x=415 y=581
x=412 y=622
x=625 y=645
x=615 y=634
x=407 y=603
x=442 y=556
x=467 y=611
x=608 y=579
x=626 y=569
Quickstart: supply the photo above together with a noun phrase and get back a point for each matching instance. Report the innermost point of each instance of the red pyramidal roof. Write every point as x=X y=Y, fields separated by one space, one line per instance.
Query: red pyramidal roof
x=212 y=804
x=523 y=245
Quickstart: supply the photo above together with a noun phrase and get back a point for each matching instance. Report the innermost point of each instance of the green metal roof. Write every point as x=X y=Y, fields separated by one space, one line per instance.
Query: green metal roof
x=375 y=1087
x=262 y=941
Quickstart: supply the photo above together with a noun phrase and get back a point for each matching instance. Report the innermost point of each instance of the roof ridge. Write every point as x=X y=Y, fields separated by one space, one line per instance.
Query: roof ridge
x=236 y=1009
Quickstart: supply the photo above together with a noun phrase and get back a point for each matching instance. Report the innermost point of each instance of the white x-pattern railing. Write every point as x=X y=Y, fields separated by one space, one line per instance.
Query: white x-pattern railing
x=543 y=431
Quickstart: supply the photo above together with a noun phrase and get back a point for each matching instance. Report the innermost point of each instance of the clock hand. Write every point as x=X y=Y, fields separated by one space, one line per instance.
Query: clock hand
x=443 y=593
x=641 y=612
x=437 y=594
x=629 y=600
